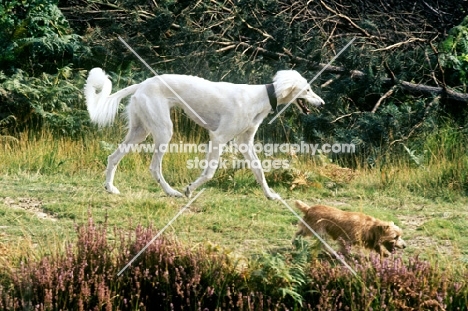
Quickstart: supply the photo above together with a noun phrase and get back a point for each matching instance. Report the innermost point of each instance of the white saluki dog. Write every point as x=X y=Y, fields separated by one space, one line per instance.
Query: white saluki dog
x=226 y=110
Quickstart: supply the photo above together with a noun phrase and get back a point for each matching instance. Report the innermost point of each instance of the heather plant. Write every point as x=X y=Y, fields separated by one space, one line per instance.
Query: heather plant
x=389 y=284
x=166 y=277
x=169 y=276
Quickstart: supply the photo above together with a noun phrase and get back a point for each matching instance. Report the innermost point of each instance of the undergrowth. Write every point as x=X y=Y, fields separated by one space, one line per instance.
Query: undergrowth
x=169 y=276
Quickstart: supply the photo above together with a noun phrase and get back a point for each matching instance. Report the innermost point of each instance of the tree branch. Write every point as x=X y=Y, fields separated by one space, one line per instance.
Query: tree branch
x=354 y=74
x=381 y=99
x=399 y=44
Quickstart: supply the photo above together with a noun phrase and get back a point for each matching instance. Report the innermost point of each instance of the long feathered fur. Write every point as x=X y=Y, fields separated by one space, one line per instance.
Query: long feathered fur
x=285 y=81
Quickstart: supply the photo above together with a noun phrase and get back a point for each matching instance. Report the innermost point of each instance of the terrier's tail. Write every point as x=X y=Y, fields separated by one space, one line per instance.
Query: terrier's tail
x=302 y=206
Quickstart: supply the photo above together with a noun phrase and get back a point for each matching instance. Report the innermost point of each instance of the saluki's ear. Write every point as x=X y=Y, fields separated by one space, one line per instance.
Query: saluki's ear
x=288 y=90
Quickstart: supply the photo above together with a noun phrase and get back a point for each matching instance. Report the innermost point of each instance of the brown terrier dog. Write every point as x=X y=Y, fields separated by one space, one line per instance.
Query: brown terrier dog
x=351 y=227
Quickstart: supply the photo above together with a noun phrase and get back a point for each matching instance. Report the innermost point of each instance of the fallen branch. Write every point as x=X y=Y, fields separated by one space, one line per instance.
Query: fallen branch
x=347 y=19
x=229 y=47
x=426 y=89
x=384 y=96
x=354 y=74
x=346 y=115
x=407 y=86
x=330 y=81
x=399 y=44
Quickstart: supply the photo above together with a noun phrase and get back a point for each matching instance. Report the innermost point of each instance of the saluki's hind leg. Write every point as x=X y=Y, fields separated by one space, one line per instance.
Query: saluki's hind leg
x=136 y=134
x=156 y=165
x=161 y=129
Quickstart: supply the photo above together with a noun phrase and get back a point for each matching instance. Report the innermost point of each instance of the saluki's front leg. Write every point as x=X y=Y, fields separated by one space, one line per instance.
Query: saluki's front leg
x=255 y=164
x=162 y=137
x=212 y=159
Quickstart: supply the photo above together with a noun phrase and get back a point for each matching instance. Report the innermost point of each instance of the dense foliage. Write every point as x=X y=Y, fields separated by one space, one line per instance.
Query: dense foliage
x=35 y=37
x=38 y=85
x=241 y=42
x=454 y=54
x=48 y=46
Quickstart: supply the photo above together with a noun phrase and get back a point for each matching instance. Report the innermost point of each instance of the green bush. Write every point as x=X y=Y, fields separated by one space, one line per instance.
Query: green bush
x=38 y=83
x=454 y=55
x=35 y=36
x=51 y=100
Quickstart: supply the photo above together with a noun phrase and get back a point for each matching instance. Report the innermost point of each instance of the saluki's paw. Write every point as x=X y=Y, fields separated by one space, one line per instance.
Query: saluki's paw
x=112 y=189
x=273 y=196
x=187 y=192
x=175 y=193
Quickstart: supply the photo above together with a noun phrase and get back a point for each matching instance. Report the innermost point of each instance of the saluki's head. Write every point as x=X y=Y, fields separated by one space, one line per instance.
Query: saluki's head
x=290 y=86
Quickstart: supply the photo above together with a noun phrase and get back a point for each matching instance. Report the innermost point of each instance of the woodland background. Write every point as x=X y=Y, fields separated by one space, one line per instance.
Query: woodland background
x=404 y=76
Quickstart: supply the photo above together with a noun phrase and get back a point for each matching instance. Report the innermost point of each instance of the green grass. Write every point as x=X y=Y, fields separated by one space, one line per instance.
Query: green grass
x=66 y=177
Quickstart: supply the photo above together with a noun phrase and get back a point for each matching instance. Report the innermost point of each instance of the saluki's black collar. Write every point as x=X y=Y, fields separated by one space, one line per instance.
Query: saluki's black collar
x=271 y=95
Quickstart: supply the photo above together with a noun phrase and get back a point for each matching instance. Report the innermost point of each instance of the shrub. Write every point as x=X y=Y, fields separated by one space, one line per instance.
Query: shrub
x=454 y=55
x=167 y=276
x=35 y=36
x=54 y=101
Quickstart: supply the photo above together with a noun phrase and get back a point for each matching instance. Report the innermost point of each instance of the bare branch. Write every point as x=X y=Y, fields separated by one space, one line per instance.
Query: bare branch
x=347 y=19
x=381 y=99
x=399 y=44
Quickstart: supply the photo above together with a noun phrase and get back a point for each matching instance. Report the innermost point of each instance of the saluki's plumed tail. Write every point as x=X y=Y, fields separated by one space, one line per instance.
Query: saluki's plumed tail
x=102 y=106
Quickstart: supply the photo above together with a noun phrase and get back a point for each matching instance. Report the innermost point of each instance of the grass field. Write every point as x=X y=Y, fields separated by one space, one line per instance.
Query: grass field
x=48 y=185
